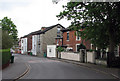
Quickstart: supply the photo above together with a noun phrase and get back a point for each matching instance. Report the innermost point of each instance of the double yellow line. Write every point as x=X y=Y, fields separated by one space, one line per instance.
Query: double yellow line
x=23 y=74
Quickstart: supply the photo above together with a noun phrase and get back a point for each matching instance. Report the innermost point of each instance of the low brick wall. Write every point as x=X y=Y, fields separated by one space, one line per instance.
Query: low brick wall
x=70 y=56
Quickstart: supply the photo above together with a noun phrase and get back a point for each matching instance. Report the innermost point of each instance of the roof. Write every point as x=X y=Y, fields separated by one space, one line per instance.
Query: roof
x=66 y=29
x=48 y=28
x=45 y=30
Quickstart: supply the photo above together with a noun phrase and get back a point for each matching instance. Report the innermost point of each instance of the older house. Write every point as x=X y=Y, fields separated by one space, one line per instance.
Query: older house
x=46 y=36
x=71 y=41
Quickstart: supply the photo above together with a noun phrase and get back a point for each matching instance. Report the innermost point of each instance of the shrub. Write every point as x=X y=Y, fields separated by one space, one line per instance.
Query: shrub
x=60 y=49
x=81 y=46
x=7 y=41
x=91 y=50
x=5 y=55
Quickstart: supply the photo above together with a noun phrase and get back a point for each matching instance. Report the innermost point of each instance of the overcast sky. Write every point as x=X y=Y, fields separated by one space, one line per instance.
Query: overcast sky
x=31 y=15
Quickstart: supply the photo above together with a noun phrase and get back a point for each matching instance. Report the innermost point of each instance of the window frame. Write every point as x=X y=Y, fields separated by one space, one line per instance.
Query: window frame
x=77 y=37
x=68 y=36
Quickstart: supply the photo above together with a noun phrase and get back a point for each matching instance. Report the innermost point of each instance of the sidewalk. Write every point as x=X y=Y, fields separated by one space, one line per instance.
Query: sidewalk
x=14 y=70
x=101 y=68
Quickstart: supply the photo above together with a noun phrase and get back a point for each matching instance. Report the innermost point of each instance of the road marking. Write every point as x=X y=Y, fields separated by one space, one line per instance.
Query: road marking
x=23 y=74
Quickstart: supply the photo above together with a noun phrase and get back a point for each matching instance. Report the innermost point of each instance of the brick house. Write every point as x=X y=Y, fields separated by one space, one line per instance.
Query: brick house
x=71 y=41
x=45 y=37
x=29 y=43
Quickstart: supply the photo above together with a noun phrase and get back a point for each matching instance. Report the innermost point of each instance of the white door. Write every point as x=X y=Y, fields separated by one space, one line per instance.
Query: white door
x=51 y=50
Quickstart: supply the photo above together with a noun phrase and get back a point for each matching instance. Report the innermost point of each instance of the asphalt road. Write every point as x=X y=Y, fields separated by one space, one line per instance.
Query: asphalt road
x=43 y=68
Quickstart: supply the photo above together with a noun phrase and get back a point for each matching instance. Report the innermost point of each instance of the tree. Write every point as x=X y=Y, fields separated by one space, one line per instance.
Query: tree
x=100 y=22
x=6 y=41
x=10 y=27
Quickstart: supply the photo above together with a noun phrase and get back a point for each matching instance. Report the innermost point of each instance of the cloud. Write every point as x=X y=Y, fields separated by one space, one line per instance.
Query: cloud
x=31 y=15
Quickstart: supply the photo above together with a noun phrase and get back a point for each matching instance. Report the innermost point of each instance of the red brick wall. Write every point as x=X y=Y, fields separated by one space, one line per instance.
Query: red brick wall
x=29 y=43
x=87 y=44
x=72 y=40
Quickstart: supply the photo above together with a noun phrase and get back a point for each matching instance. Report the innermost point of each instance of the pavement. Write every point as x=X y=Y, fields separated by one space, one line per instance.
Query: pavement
x=115 y=72
x=14 y=69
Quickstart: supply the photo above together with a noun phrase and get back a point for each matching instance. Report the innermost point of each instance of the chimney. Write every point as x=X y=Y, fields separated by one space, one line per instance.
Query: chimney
x=43 y=28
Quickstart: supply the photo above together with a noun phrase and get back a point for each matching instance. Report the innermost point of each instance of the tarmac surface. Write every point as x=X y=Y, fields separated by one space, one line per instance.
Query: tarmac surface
x=31 y=67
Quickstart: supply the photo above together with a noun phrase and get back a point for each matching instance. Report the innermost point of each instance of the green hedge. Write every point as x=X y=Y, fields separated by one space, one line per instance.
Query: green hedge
x=6 y=55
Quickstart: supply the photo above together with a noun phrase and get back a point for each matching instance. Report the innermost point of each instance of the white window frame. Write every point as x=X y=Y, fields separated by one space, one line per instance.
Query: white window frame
x=76 y=47
x=77 y=36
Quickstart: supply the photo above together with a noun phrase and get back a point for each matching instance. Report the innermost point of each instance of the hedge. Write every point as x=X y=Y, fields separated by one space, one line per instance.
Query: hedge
x=6 y=56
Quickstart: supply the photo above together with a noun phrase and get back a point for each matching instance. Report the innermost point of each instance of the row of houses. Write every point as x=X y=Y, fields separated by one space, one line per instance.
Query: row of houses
x=36 y=42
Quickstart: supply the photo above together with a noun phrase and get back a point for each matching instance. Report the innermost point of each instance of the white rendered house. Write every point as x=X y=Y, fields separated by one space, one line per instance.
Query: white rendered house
x=35 y=44
x=23 y=45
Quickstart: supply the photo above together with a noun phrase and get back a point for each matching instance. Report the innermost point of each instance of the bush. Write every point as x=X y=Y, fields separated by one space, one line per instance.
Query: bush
x=91 y=50
x=60 y=49
x=7 y=41
x=81 y=46
x=5 y=55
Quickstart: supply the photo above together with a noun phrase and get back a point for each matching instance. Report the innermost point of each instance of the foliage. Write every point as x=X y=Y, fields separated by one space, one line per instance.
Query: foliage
x=8 y=25
x=100 y=22
x=6 y=41
x=82 y=46
x=91 y=50
x=5 y=54
x=0 y=38
x=60 y=49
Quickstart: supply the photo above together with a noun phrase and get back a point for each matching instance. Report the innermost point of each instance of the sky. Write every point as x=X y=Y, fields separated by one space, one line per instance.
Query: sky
x=31 y=15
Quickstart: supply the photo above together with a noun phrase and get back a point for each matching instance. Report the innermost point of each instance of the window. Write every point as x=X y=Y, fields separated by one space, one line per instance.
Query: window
x=57 y=41
x=77 y=36
x=77 y=47
x=67 y=35
x=116 y=51
x=49 y=50
x=58 y=30
x=58 y=35
x=22 y=41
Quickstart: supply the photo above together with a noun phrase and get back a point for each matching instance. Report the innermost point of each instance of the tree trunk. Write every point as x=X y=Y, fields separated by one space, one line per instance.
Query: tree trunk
x=110 y=55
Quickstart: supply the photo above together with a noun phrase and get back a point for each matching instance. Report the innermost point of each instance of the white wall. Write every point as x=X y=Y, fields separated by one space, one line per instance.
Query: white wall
x=23 y=45
x=70 y=56
x=51 y=50
x=91 y=57
x=34 y=44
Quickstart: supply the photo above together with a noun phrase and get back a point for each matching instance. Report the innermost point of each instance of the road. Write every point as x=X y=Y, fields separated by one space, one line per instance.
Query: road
x=44 y=68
